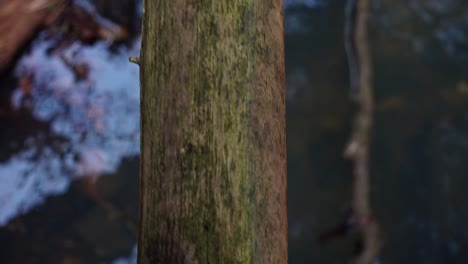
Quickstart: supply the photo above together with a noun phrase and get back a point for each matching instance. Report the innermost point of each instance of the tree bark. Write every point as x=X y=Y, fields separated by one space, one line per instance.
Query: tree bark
x=213 y=167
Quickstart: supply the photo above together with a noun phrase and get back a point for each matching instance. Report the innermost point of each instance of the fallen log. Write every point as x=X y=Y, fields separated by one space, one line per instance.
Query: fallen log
x=20 y=20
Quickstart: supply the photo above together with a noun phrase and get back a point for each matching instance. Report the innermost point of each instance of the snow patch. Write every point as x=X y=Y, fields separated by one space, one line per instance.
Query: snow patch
x=99 y=117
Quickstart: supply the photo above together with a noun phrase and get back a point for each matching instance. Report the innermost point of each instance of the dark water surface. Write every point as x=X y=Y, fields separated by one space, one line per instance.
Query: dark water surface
x=420 y=146
x=419 y=151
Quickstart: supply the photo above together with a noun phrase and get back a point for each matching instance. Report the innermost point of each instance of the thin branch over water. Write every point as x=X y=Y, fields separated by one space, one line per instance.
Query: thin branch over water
x=358 y=146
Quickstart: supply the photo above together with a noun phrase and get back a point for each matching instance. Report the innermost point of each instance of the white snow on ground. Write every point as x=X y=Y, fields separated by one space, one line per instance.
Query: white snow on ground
x=24 y=183
x=99 y=116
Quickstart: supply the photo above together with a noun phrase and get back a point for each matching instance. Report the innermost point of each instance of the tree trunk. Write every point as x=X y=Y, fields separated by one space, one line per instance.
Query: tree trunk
x=213 y=171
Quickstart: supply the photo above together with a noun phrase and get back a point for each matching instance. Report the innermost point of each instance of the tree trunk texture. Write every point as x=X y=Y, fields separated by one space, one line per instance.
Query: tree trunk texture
x=213 y=171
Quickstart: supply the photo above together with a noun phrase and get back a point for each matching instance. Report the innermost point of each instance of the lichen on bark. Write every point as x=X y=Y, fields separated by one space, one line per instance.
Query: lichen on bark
x=213 y=172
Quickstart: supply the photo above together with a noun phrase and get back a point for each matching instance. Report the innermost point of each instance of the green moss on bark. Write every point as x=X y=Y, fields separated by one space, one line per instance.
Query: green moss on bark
x=206 y=172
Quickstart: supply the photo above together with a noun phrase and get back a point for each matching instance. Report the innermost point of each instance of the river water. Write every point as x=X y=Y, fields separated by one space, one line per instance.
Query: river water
x=69 y=166
x=420 y=151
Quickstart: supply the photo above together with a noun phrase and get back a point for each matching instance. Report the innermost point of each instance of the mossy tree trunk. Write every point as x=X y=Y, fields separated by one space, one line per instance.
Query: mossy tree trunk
x=213 y=171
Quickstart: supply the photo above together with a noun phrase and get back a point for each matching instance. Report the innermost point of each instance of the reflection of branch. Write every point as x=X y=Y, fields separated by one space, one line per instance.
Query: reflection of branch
x=349 y=32
x=358 y=147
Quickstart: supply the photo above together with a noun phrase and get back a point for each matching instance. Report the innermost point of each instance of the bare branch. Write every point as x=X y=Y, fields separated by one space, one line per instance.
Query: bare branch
x=358 y=146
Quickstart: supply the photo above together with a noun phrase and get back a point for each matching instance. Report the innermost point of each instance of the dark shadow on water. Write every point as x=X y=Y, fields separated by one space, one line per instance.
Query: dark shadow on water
x=76 y=227
x=420 y=150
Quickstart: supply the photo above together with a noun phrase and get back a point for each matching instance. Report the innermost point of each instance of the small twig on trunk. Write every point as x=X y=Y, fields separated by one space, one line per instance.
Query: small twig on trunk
x=358 y=146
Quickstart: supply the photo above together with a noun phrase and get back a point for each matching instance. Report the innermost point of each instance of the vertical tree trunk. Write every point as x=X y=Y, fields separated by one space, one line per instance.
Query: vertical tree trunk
x=213 y=172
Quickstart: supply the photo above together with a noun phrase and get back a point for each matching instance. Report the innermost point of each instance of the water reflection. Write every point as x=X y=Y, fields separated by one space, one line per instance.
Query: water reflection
x=419 y=152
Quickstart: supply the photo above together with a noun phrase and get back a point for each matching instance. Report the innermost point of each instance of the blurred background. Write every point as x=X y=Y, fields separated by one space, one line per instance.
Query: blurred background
x=69 y=130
